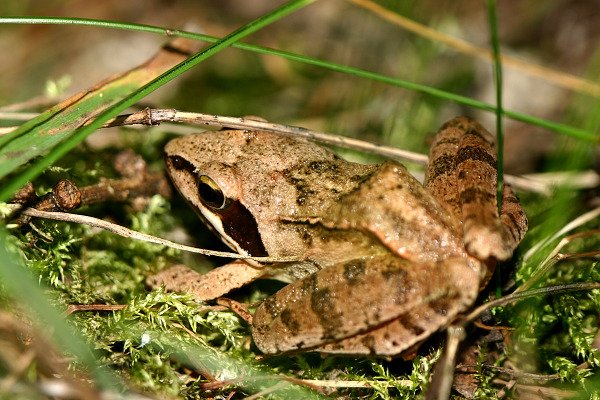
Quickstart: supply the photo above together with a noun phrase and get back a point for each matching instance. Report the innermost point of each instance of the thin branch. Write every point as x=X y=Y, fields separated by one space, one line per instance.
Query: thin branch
x=555 y=256
x=128 y=233
x=537 y=184
x=156 y=116
x=577 y=222
x=542 y=183
x=520 y=375
x=518 y=296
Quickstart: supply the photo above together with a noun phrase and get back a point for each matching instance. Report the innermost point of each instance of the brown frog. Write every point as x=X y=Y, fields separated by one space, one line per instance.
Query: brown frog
x=383 y=261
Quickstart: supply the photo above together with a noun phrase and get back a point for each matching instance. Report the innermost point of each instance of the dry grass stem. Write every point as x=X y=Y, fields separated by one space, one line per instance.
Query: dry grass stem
x=557 y=78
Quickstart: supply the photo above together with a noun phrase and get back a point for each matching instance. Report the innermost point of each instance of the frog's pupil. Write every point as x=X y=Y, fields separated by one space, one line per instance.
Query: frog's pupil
x=210 y=193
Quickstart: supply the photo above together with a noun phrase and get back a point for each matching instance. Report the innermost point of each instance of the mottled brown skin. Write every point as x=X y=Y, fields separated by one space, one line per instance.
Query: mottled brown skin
x=385 y=260
x=462 y=176
x=437 y=263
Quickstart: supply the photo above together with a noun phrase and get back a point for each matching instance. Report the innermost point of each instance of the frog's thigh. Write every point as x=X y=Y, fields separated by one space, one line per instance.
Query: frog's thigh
x=211 y=285
x=361 y=296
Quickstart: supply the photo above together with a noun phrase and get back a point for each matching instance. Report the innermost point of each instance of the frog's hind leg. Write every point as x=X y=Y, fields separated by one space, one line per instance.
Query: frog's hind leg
x=374 y=305
x=462 y=176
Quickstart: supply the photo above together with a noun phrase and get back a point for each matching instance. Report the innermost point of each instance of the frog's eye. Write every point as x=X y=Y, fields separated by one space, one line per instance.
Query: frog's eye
x=210 y=193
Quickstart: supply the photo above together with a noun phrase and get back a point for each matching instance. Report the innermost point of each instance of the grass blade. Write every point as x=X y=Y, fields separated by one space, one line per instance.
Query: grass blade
x=497 y=66
x=23 y=287
x=562 y=129
x=80 y=134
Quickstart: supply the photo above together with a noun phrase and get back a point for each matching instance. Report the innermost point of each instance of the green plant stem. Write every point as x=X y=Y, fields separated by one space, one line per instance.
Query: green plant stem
x=80 y=134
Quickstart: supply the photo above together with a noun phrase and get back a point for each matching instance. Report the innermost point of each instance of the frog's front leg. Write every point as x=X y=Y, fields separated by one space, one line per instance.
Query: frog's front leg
x=462 y=176
x=380 y=305
x=208 y=286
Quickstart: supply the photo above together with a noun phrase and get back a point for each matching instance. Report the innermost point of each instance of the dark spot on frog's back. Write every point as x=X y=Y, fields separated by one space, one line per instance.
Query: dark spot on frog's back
x=287 y=318
x=394 y=269
x=322 y=303
x=411 y=325
x=354 y=270
x=303 y=190
x=475 y=153
x=453 y=141
x=309 y=284
x=442 y=165
x=358 y=178
x=271 y=306
x=458 y=122
x=511 y=199
x=441 y=306
x=305 y=233
x=303 y=195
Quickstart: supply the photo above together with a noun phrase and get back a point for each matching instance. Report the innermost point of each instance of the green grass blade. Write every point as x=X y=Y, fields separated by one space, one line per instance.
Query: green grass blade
x=42 y=133
x=24 y=288
x=80 y=134
x=562 y=129
x=497 y=66
x=241 y=373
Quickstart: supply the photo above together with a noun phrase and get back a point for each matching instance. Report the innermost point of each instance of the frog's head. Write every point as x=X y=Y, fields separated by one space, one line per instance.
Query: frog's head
x=240 y=183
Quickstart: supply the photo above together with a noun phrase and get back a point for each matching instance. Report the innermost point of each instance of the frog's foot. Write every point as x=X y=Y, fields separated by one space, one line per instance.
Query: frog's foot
x=381 y=305
x=209 y=286
x=498 y=238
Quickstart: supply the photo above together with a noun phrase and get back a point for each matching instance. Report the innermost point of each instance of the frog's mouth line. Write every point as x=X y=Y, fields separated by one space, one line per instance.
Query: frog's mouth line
x=234 y=224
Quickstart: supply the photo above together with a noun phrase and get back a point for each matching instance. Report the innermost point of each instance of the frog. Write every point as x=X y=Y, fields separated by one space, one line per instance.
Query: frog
x=380 y=261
